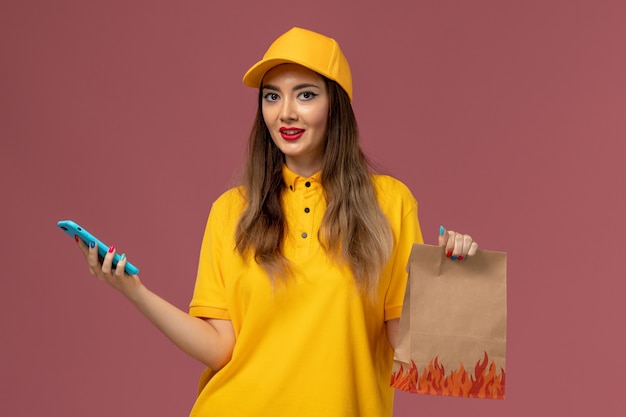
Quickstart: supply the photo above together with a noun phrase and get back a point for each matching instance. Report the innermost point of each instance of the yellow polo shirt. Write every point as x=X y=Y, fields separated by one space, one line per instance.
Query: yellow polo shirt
x=312 y=347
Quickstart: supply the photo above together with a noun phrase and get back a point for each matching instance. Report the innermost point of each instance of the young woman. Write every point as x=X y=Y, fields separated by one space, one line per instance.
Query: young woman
x=303 y=267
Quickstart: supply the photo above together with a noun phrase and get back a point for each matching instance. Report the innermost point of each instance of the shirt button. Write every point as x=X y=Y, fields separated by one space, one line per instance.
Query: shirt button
x=304 y=235
x=307 y=184
x=306 y=210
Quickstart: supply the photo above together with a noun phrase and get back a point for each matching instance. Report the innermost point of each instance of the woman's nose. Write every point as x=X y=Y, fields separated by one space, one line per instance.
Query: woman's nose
x=288 y=111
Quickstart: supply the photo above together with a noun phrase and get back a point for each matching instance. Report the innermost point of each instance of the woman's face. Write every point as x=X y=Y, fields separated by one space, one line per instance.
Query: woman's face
x=295 y=106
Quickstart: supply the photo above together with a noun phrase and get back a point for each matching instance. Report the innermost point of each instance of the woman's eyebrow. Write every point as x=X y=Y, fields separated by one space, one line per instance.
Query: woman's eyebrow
x=270 y=87
x=305 y=85
x=295 y=88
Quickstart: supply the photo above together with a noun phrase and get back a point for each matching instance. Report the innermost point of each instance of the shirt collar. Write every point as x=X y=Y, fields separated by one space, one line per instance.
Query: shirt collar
x=293 y=180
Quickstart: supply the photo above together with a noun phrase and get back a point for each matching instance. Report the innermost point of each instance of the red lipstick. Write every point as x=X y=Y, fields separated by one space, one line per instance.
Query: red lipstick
x=291 y=133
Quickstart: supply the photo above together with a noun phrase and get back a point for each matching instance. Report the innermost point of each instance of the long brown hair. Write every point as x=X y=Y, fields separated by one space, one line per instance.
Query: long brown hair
x=354 y=229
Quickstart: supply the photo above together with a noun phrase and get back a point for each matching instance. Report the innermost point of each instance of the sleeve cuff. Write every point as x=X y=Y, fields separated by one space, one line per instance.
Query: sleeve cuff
x=209 y=312
x=393 y=313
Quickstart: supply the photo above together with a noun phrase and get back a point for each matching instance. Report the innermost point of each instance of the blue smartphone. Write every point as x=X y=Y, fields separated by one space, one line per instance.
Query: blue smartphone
x=73 y=229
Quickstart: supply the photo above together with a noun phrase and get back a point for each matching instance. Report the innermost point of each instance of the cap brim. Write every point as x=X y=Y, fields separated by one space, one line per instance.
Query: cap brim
x=254 y=76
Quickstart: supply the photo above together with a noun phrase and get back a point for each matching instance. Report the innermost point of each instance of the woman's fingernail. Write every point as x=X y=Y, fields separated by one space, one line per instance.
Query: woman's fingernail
x=460 y=258
x=111 y=249
x=76 y=238
x=123 y=257
x=92 y=244
x=466 y=257
x=454 y=258
x=449 y=254
x=442 y=230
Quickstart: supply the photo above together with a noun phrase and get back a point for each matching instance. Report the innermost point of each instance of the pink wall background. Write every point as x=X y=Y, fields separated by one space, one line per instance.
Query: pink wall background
x=505 y=118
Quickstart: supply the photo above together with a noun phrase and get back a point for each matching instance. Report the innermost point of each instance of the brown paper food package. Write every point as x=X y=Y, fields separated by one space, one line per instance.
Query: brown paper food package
x=452 y=332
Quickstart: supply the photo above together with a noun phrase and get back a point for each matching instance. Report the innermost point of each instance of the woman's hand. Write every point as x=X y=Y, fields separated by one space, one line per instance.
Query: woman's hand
x=117 y=278
x=457 y=245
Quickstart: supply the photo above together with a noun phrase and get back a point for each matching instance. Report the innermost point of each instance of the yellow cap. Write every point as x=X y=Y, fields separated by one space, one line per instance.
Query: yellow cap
x=312 y=50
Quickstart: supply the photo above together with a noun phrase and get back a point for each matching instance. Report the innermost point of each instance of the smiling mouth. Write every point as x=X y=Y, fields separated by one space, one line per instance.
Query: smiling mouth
x=291 y=134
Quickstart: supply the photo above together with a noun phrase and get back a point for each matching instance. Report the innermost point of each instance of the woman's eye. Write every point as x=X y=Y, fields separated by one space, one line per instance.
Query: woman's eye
x=271 y=97
x=307 y=95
